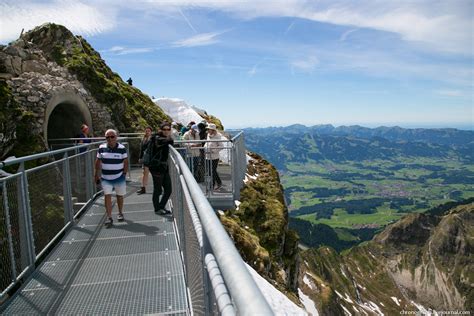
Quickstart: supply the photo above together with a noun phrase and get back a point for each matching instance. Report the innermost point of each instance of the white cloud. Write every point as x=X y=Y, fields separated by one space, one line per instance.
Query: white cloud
x=202 y=39
x=450 y=93
x=79 y=17
x=438 y=24
x=120 y=50
x=306 y=64
x=346 y=34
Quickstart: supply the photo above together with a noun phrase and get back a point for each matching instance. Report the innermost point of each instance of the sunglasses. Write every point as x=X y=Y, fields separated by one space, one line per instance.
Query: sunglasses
x=166 y=129
x=110 y=137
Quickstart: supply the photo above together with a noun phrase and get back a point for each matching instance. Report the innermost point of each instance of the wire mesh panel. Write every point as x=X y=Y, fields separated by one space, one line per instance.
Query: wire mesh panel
x=189 y=244
x=193 y=265
x=79 y=177
x=13 y=248
x=46 y=194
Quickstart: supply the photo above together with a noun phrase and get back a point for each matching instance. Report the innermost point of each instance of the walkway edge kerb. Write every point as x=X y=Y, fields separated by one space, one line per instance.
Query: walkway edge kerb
x=243 y=289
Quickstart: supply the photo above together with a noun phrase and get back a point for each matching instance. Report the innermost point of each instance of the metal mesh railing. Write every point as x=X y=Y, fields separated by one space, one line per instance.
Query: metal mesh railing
x=201 y=236
x=219 y=172
x=47 y=196
x=38 y=204
x=14 y=259
x=189 y=243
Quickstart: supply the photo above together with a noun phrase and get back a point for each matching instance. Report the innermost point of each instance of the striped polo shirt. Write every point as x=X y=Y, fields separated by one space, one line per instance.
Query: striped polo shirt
x=112 y=161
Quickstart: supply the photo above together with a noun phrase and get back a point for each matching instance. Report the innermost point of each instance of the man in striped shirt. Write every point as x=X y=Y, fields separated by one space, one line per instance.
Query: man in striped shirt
x=111 y=168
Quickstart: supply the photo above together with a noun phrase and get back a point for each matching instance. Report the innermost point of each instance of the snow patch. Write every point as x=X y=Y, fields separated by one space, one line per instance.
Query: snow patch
x=395 y=299
x=345 y=298
x=372 y=307
x=423 y=310
x=279 y=303
x=346 y=311
x=237 y=204
x=249 y=177
x=178 y=110
x=360 y=286
x=308 y=303
x=308 y=281
x=343 y=273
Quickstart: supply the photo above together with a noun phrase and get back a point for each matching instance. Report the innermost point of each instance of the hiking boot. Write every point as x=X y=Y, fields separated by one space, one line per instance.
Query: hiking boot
x=141 y=191
x=120 y=217
x=109 y=222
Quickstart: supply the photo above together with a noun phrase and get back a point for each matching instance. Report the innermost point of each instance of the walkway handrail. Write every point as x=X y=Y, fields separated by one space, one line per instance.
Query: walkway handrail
x=243 y=289
x=13 y=161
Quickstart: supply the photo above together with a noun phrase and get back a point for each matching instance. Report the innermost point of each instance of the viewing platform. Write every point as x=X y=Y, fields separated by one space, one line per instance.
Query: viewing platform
x=59 y=258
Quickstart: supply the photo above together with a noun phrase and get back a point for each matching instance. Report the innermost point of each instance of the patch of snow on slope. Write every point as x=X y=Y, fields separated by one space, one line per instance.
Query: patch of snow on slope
x=395 y=299
x=372 y=307
x=308 y=281
x=346 y=298
x=346 y=311
x=344 y=274
x=423 y=310
x=178 y=110
x=280 y=304
x=308 y=303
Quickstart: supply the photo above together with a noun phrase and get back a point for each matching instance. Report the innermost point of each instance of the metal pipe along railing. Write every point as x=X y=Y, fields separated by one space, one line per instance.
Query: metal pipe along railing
x=243 y=289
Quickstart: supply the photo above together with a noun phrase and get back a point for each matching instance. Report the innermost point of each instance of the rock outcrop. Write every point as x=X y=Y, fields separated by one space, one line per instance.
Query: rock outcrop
x=49 y=61
x=259 y=227
x=421 y=261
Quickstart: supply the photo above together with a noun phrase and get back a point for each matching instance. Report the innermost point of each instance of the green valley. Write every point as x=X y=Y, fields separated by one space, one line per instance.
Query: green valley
x=358 y=182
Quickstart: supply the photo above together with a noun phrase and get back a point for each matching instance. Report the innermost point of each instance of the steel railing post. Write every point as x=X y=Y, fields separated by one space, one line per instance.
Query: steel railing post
x=26 y=234
x=89 y=177
x=9 y=230
x=67 y=193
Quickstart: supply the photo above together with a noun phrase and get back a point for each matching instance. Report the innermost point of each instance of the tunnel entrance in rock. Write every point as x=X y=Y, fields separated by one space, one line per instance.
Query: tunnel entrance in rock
x=64 y=122
x=65 y=113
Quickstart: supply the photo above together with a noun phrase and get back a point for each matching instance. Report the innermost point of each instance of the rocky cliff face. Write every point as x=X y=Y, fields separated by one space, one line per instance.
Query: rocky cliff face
x=48 y=61
x=259 y=227
x=422 y=260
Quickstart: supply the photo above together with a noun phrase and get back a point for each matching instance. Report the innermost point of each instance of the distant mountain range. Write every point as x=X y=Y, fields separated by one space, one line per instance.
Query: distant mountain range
x=442 y=136
x=299 y=143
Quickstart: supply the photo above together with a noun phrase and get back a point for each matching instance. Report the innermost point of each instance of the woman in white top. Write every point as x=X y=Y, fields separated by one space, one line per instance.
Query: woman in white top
x=212 y=154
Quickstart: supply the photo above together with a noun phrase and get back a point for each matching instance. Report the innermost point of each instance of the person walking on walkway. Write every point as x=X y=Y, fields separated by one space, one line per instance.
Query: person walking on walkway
x=194 y=150
x=111 y=168
x=143 y=146
x=159 y=152
x=212 y=154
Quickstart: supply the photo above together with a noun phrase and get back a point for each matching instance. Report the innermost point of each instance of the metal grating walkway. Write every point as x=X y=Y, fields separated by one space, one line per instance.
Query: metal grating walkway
x=135 y=267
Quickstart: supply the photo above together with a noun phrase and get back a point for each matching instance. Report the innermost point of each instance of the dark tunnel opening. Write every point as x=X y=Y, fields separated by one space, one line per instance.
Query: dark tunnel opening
x=64 y=122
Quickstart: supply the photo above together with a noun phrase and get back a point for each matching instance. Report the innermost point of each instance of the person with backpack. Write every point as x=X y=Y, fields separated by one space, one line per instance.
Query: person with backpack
x=143 y=146
x=158 y=151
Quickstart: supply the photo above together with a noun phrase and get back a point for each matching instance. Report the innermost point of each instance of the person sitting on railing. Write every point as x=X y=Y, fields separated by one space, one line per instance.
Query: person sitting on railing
x=159 y=152
x=143 y=146
x=84 y=135
x=194 y=150
x=111 y=168
x=212 y=154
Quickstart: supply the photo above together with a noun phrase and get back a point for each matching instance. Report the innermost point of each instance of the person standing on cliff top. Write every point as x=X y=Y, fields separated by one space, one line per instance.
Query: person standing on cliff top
x=111 y=168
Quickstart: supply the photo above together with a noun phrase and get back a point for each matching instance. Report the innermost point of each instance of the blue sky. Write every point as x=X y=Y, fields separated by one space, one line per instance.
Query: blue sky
x=262 y=63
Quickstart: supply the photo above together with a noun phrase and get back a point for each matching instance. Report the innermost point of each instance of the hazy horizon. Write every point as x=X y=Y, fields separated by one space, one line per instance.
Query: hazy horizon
x=461 y=126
